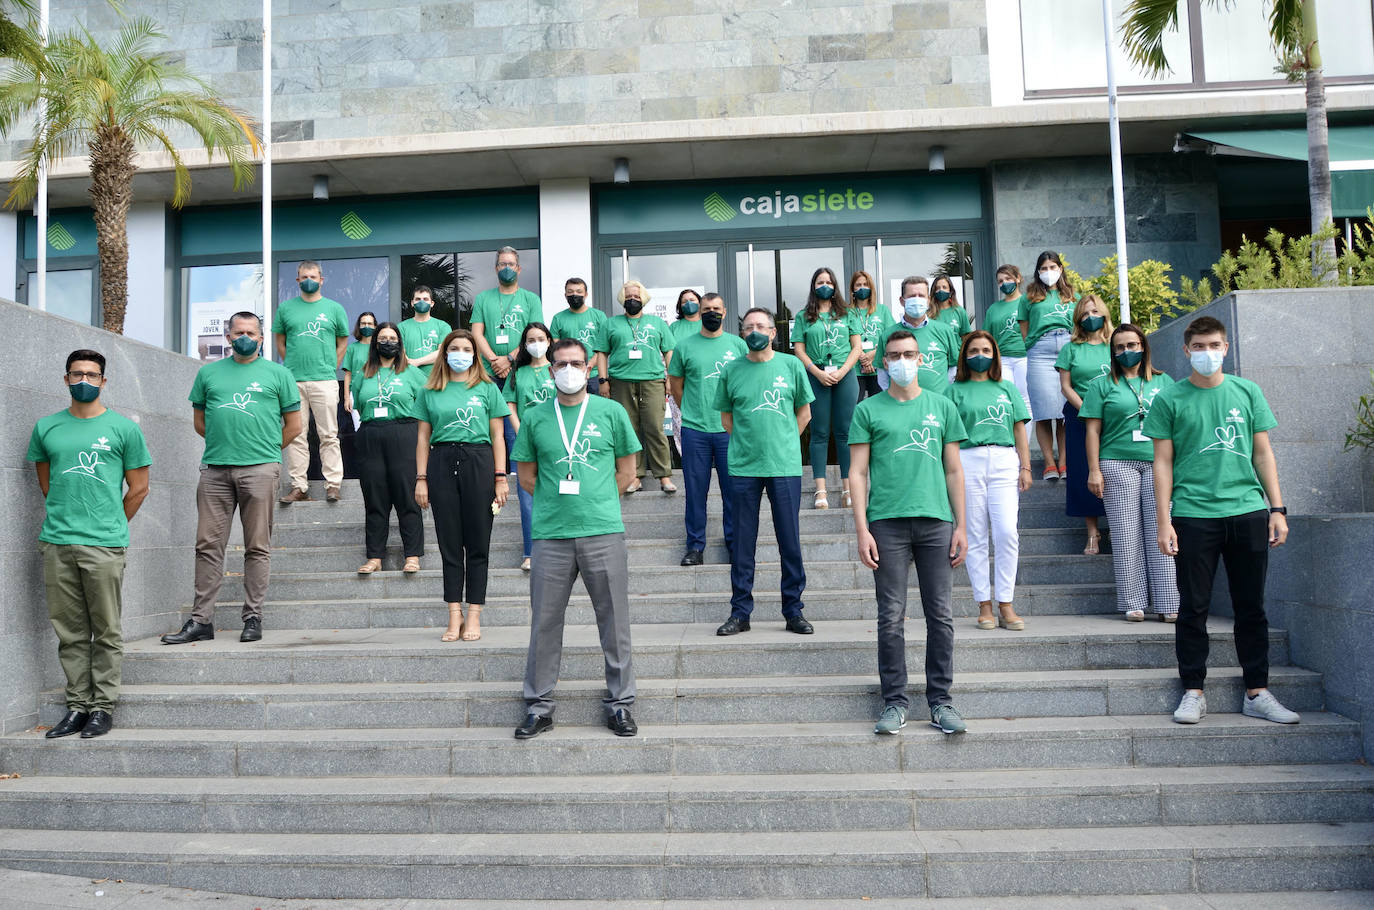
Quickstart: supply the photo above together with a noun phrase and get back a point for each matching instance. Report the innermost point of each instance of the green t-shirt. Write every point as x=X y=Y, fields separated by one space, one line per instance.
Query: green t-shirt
x=989 y=410
x=423 y=338
x=1001 y=320
x=355 y=358
x=906 y=465
x=312 y=331
x=634 y=348
x=1045 y=316
x=871 y=326
x=87 y=458
x=827 y=339
x=243 y=404
x=606 y=434
x=584 y=326
x=457 y=413
x=531 y=386
x=1118 y=405
x=956 y=317
x=681 y=328
x=504 y=316
x=700 y=361
x=763 y=399
x=393 y=394
x=1213 y=434
x=1084 y=361
x=939 y=351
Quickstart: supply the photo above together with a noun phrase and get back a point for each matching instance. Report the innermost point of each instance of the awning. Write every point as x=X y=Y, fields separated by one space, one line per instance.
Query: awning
x=1351 y=151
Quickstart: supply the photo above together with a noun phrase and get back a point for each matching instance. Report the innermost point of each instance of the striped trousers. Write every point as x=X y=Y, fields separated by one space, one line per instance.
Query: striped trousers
x=1145 y=578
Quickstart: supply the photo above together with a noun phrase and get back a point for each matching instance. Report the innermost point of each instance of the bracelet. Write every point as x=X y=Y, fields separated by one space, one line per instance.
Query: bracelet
x=421 y=476
x=1026 y=468
x=501 y=477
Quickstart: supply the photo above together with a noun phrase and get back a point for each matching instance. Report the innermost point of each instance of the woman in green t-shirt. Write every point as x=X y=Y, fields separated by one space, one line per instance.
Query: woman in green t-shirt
x=945 y=306
x=826 y=340
x=637 y=346
x=872 y=319
x=1044 y=315
x=1081 y=361
x=1121 y=473
x=1000 y=319
x=531 y=387
x=355 y=356
x=996 y=462
x=688 y=322
x=461 y=441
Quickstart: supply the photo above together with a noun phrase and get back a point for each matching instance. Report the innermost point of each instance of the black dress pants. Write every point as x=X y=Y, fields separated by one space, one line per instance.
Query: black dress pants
x=462 y=487
x=386 y=473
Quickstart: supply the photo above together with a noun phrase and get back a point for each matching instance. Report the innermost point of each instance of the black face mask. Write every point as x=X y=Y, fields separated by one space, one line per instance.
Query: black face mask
x=712 y=321
x=387 y=348
x=575 y=301
x=633 y=307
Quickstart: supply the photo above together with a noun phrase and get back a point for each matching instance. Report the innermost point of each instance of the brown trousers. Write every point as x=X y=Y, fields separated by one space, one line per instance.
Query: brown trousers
x=252 y=489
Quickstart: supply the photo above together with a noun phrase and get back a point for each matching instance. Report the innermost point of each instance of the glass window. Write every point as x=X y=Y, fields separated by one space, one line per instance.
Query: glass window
x=213 y=293
x=782 y=281
x=70 y=294
x=923 y=260
x=456 y=279
x=665 y=275
x=1236 y=46
x=1062 y=47
x=1346 y=31
x=359 y=285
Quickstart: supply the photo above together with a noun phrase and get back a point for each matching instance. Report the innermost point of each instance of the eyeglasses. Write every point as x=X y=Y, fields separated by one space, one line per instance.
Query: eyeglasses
x=1126 y=346
x=575 y=364
x=76 y=376
x=904 y=355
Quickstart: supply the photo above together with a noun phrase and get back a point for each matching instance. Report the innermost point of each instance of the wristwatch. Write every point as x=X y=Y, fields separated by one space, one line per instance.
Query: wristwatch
x=1282 y=510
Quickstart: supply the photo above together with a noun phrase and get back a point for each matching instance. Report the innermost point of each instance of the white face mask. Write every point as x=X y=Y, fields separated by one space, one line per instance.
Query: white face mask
x=537 y=349
x=1049 y=277
x=902 y=372
x=1206 y=362
x=916 y=307
x=459 y=361
x=570 y=379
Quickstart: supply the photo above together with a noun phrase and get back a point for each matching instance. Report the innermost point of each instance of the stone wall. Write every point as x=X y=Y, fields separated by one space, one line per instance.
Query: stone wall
x=147 y=384
x=1065 y=204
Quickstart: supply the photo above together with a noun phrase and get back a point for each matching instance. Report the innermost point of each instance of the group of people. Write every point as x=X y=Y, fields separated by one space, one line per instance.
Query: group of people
x=928 y=416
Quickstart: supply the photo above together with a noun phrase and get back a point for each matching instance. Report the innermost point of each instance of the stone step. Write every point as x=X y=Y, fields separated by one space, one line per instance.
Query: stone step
x=721 y=866
x=781 y=748
x=661 y=651
x=909 y=800
x=854 y=699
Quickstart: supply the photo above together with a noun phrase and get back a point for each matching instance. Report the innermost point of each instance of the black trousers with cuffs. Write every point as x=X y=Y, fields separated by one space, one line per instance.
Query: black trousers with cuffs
x=386 y=474
x=462 y=487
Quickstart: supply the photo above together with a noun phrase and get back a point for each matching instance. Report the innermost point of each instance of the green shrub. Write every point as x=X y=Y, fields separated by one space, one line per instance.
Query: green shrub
x=1361 y=435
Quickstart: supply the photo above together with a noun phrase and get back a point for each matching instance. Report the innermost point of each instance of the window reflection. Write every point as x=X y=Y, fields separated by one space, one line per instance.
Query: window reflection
x=457 y=278
x=69 y=294
x=213 y=293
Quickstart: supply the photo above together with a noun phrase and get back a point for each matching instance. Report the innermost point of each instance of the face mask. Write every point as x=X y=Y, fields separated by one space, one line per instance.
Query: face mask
x=863 y=293
x=1049 y=277
x=712 y=321
x=825 y=292
x=1129 y=359
x=1007 y=287
x=690 y=307
x=979 y=363
x=575 y=301
x=941 y=296
x=507 y=275
x=916 y=307
x=84 y=392
x=757 y=341
x=1206 y=362
x=537 y=349
x=309 y=285
x=422 y=306
x=1091 y=323
x=244 y=345
x=458 y=361
x=633 y=307
x=391 y=349
x=570 y=379
x=367 y=331
x=903 y=372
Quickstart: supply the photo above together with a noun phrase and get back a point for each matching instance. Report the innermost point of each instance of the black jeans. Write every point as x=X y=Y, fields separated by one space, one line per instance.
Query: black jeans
x=462 y=486
x=924 y=541
x=1242 y=543
x=386 y=474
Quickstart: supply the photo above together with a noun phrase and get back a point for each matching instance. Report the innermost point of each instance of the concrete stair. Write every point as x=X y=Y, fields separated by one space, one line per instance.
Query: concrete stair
x=350 y=754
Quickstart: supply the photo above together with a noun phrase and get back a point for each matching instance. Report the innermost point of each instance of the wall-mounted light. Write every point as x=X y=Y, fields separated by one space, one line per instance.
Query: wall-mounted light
x=622 y=170
x=321 y=191
x=937 y=159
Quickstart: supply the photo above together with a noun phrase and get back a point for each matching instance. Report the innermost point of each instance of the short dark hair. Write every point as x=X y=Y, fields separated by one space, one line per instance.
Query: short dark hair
x=711 y=295
x=242 y=314
x=758 y=309
x=86 y=354
x=422 y=289
x=562 y=343
x=575 y=280
x=899 y=335
x=1203 y=325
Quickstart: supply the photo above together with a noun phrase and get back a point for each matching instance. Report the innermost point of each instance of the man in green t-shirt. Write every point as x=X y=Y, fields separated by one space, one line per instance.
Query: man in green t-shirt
x=499 y=317
x=764 y=400
x=576 y=456
x=937 y=341
x=423 y=333
x=248 y=409
x=908 y=492
x=1215 y=467
x=582 y=321
x=85 y=456
x=311 y=333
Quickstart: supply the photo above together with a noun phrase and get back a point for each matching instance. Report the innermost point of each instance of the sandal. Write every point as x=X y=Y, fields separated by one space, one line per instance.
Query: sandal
x=986 y=621
x=634 y=488
x=412 y=565
x=666 y=485
x=525 y=564
x=846 y=501
x=1014 y=624
x=1135 y=616
x=454 y=631
x=821 y=501
x=1092 y=549
x=472 y=629
x=367 y=568
x=1168 y=617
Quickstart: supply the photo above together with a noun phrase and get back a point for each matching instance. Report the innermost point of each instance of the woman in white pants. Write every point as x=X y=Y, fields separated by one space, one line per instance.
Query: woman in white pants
x=1121 y=474
x=996 y=462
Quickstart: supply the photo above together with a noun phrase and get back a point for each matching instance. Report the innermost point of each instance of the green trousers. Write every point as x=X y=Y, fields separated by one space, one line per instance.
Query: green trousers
x=644 y=400
x=84 y=604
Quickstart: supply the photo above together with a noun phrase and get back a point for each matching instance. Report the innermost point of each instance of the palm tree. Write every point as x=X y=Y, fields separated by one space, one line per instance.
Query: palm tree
x=1293 y=33
x=108 y=102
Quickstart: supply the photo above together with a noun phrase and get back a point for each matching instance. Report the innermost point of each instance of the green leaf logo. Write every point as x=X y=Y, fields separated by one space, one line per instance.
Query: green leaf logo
x=59 y=238
x=354 y=228
x=717 y=209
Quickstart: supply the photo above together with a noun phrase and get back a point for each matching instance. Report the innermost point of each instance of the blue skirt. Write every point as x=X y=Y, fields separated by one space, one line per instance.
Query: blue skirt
x=1079 y=502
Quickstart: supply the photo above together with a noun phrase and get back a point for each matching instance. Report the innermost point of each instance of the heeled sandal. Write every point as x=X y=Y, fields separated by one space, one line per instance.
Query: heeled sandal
x=821 y=502
x=986 y=621
x=472 y=629
x=1092 y=548
x=1011 y=625
x=367 y=568
x=453 y=634
x=846 y=501
x=412 y=565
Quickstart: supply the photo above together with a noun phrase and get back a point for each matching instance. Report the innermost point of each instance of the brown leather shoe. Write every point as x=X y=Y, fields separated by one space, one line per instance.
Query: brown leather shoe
x=294 y=496
x=331 y=493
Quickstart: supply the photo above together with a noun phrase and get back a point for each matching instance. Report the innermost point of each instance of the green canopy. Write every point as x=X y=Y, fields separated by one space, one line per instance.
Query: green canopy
x=1351 y=151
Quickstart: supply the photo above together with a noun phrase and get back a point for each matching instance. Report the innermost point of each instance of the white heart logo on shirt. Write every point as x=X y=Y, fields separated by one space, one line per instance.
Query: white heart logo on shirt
x=996 y=414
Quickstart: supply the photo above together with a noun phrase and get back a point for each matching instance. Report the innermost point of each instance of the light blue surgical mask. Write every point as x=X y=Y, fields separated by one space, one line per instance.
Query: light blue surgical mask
x=459 y=361
x=1206 y=362
x=902 y=372
x=916 y=308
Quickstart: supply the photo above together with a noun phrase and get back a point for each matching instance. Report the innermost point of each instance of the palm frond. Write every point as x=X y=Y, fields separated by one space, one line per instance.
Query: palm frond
x=1142 y=34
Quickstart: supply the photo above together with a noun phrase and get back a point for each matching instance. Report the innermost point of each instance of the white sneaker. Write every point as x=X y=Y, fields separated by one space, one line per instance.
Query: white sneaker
x=1191 y=709
x=1266 y=707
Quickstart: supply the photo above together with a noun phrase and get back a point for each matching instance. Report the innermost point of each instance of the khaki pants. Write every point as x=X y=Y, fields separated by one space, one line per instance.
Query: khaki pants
x=321 y=400
x=83 y=584
x=253 y=490
x=644 y=400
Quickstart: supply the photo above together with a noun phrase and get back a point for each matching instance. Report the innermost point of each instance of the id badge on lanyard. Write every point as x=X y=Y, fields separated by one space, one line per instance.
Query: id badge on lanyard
x=568 y=486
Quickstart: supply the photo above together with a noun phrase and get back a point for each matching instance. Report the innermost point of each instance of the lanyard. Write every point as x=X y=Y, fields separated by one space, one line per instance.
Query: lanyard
x=1139 y=398
x=570 y=444
x=505 y=313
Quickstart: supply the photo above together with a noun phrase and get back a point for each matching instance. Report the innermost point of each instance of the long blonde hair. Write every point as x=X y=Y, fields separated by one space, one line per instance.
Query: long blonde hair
x=439 y=374
x=1080 y=335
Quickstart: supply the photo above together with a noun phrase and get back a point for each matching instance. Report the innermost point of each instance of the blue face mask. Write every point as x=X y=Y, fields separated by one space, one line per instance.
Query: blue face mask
x=1006 y=287
x=825 y=292
x=507 y=275
x=309 y=285
x=902 y=372
x=245 y=345
x=1130 y=359
x=84 y=392
x=916 y=308
x=690 y=307
x=979 y=363
x=1206 y=362
x=756 y=341
x=422 y=306
x=459 y=361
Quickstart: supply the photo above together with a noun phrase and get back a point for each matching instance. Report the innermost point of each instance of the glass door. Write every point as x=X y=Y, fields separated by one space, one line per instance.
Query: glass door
x=778 y=278
x=664 y=275
x=890 y=261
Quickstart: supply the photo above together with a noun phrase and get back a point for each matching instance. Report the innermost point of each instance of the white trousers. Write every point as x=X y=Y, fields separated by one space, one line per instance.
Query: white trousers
x=1016 y=366
x=991 y=501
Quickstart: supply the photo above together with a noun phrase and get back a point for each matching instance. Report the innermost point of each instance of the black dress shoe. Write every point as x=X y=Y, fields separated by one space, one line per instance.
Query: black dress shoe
x=733 y=626
x=799 y=625
x=70 y=724
x=693 y=558
x=621 y=723
x=191 y=631
x=252 y=630
x=99 y=724
x=533 y=726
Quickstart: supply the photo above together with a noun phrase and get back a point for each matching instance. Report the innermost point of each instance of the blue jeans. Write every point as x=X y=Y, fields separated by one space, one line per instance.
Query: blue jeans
x=508 y=432
x=699 y=452
x=526 y=518
x=784 y=495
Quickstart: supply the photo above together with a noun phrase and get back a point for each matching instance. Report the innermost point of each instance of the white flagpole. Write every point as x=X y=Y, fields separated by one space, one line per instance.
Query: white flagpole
x=269 y=280
x=40 y=300
x=1118 y=193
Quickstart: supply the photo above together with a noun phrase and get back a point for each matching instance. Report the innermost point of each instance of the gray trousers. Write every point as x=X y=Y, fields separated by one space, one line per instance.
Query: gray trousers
x=926 y=541
x=252 y=490
x=602 y=562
